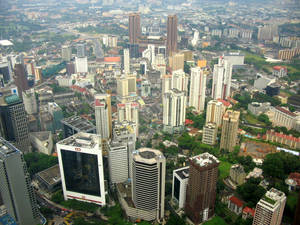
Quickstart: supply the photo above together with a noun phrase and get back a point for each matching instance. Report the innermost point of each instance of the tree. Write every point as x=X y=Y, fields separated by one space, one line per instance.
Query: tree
x=265 y=119
x=273 y=166
x=37 y=162
x=175 y=220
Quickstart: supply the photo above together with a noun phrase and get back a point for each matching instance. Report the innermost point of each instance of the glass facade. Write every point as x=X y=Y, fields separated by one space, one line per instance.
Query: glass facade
x=81 y=172
x=176 y=188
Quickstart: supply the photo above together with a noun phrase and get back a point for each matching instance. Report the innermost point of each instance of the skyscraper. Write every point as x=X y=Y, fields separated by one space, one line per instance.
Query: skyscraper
x=176 y=61
x=103 y=115
x=66 y=53
x=174 y=104
x=134 y=28
x=229 y=130
x=126 y=61
x=14 y=122
x=20 y=78
x=214 y=112
x=126 y=88
x=129 y=112
x=172 y=34
x=81 y=168
x=269 y=209
x=221 y=79
x=30 y=102
x=148 y=182
x=15 y=186
x=179 y=80
x=197 y=89
x=201 y=189
x=81 y=51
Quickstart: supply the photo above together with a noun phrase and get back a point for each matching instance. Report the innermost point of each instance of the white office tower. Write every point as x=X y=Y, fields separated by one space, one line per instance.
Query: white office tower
x=81 y=168
x=269 y=209
x=166 y=83
x=66 y=53
x=210 y=131
x=29 y=100
x=148 y=183
x=214 y=112
x=146 y=88
x=103 y=115
x=221 y=79
x=195 y=38
x=197 y=89
x=160 y=64
x=118 y=161
x=81 y=65
x=180 y=182
x=15 y=186
x=129 y=112
x=174 y=104
x=126 y=61
x=81 y=51
x=179 y=80
x=149 y=54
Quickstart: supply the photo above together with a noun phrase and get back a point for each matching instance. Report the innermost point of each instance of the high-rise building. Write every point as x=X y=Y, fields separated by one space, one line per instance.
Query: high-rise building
x=230 y=128
x=103 y=115
x=81 y=64
x=134 y=28
x=118 y=162
x=172 y=34
x=180 y=182
x=148 y=182
x=197 y=89
x=57 y=115
x=66 y=53
x=174 y=104
x=38 y=76
x=179 y=80
x=81 y=51
x=81 y=168
x=166 y=83
x=214 y=112
x=126 y=88
x=20 y=78
x=269 y=209
x=70 y=68
x=209 y=136
x=129 y=112
x=30 y=102
x=221 y=79
x=15 y=186
x=201 y=189
x=176 y=61
x=126 y=61
x=14 y=122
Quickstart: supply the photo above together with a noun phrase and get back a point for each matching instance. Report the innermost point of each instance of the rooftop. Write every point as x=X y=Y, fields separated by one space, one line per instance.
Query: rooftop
x=84 y=140
x=183 y=173
x=6 y=148
x=147 y=155
x=79 y=124
x=273 y=196
x=283 y=110
x=236 y=201
x=51 y=175
x=205 y=159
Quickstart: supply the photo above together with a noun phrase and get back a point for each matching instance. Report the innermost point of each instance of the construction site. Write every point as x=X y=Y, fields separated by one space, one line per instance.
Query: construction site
x=256 y=150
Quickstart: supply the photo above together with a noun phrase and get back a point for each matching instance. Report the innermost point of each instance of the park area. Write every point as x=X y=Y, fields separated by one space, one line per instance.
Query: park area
x=215 y=221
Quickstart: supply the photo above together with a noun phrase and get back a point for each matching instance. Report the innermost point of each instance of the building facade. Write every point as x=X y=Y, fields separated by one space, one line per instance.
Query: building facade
x=30 y=102
x=103 y=115
x=197 y=89
x=180 y=181
x=201 y=189
x=172 y=34
x=134 y=28
x=210 y=131
x=214 y=112
x=15 y=186
x=81 y=168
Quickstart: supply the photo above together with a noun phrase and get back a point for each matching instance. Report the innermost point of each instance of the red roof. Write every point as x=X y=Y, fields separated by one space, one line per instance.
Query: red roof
x=189 y=122
x=295 y=177
x=281 y=135
x=236 y=201
x=77 y=88
x=285 y=111
x=249 y=210
x=112 y=59
x=279 y=68
x=98 y=103
x=227 y=104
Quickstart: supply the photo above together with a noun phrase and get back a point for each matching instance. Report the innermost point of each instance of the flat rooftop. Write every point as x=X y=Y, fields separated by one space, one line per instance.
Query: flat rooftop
x=84 y=140
x=51 y=175
x=79 y=124
x=183 y=173
x=147 y=155
x=205 y=159
x=6 y=148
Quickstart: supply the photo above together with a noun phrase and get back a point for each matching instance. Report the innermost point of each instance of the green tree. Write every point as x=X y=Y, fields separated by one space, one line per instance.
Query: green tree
x=273 y=166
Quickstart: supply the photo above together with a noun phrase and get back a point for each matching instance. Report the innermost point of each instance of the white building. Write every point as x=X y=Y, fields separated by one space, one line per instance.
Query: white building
x=221 y=79
x=209 y=136
x=284 y=118
x=29 y=101
x=235 y=58
x=118 y=162
x=195 y=38
x=66 y=53
x=103 y=115
x=126 y=61
x=148 y=182
x=174 y=106
x=81 y=65
x=146 y=88
x=81 y=168
x=179 y=80
x=214 y=112
x=180 y=182
x=129 y=112
x=197 y=89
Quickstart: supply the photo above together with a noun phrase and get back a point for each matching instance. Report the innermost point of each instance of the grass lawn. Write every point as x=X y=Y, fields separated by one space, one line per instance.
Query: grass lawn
x=252 y=120
x=292 y=200
x=215 y=221
x=224 y=169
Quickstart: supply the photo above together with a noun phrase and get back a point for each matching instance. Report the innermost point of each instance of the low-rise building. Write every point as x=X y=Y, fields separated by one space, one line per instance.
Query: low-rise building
x=42 y=141
x=284 y=118
x=248 y=213
x=235 y=205
x=237 y=174
x=257 y=108
x=49 y=179
x=281 y=138
x=279 y=71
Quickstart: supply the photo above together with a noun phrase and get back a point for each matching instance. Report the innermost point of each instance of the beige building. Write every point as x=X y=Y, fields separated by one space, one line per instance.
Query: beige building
x=284 y=118
x=269 y=209
x=237 y=174
x=209 y=136
x=215 y=111
x=176 y=61
x=126 y=88
x=229 y=129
